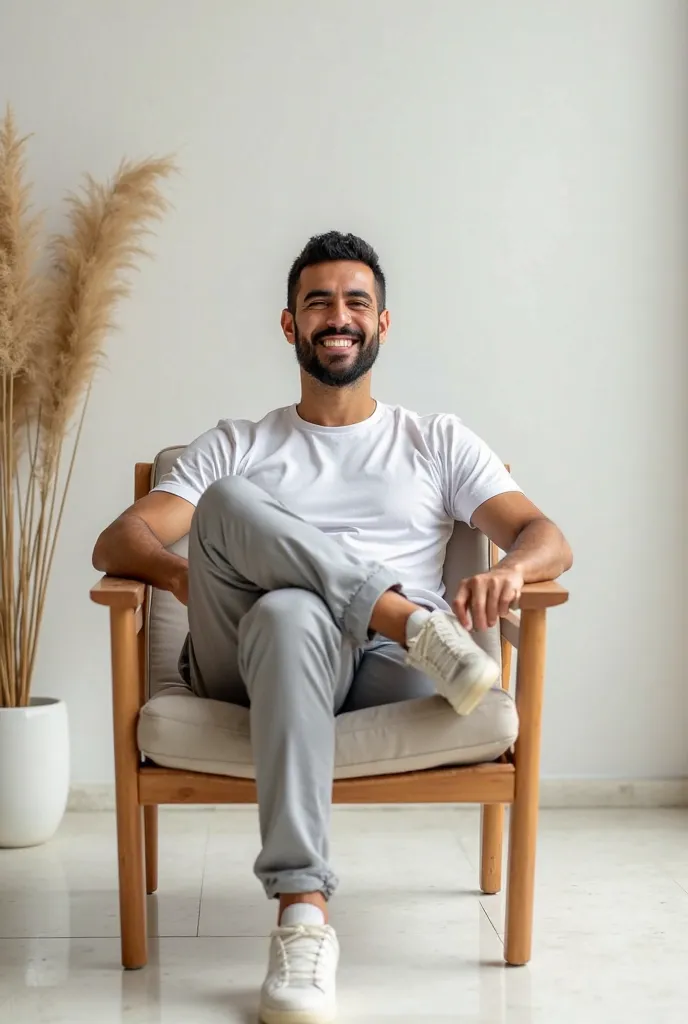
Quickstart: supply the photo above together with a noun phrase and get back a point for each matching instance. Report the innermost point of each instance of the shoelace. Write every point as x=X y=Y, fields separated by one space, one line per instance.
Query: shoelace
x=300 y=947
x=442 y=656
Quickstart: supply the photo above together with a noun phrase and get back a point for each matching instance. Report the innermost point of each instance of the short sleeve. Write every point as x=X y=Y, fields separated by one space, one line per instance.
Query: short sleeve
x=472 y=473
x=207 y=459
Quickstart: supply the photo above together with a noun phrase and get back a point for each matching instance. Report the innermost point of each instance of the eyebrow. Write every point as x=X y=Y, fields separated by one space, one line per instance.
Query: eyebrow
x=353 y=293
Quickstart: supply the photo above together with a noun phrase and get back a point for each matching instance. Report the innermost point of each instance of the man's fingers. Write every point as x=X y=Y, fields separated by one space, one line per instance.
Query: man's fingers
x=507 y=599
x=490 y=598
x=494 y=589
x=478 y=601
x=483 y=599
x=461 y=605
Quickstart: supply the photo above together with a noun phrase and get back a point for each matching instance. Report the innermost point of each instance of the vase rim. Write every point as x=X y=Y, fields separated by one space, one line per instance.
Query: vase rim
x=35 y=704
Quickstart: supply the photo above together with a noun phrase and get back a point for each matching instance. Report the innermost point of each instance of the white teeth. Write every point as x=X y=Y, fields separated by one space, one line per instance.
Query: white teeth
x=338 y=344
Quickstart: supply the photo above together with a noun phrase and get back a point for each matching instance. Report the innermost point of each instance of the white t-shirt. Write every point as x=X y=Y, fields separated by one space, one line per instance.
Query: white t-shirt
x=387 y=489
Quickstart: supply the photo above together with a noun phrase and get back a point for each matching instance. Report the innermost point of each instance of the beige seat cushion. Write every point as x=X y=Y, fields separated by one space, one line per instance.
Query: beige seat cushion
x=179 y=730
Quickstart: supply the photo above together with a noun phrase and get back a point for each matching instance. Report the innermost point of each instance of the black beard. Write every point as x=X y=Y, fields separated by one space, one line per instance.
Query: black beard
x=307 y=355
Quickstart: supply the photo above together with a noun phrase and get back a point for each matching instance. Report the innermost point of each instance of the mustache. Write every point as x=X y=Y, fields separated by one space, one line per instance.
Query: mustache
x=337 y=332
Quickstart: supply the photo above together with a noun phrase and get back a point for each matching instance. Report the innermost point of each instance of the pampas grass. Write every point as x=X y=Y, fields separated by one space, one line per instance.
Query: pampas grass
x=53 y=326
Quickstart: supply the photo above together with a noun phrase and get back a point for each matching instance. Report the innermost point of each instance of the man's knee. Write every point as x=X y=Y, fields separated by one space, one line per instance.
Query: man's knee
x=289 y=646
x=289 y=611
x=292 y=628
x=230 y=495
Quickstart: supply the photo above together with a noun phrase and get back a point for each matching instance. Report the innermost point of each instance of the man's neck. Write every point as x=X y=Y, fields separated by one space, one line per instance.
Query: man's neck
x=335 y=407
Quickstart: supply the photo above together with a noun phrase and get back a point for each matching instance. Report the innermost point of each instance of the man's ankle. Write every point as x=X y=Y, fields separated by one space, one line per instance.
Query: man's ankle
x=316 y=899
x=391 y=614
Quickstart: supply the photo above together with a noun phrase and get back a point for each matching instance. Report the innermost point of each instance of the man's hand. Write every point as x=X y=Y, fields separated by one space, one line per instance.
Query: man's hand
x=482 y=599
x=179 y=584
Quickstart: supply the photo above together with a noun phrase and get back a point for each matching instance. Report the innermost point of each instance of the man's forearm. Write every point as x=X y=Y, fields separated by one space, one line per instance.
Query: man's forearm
x=129 y=548
x=540 y=552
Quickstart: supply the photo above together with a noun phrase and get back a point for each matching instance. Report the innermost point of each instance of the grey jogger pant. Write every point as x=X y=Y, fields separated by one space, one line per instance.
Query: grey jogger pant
x=279 y=619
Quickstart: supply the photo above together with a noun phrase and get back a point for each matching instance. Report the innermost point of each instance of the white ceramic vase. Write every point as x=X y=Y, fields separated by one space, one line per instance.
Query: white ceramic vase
x=34 y=771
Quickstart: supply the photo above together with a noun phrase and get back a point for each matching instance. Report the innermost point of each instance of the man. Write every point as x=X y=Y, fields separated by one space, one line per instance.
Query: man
x=314 y=580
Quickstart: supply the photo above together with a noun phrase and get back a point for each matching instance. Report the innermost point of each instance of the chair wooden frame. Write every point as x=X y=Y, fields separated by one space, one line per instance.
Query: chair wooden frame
x=514 y=779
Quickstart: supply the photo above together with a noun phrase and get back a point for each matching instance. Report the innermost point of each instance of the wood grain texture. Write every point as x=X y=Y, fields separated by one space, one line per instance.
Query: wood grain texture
x=483 y=783
x=150 y=830
x=114 y=592
x=530 y=678
x=491 y=846
x=492 y=815
x=125 y=699
x=542 y=595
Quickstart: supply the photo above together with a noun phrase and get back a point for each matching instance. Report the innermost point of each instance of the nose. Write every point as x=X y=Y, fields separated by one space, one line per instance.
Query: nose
x=339 y=314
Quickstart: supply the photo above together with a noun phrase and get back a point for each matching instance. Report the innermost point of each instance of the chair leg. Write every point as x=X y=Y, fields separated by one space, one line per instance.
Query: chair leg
x=125 y=689
x=150 y=821
x=492 y=815
x=492 y=831
x=524 y=811
x=132 y=906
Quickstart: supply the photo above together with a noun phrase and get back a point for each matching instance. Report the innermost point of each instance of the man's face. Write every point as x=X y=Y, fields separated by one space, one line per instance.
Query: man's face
x=336 y=328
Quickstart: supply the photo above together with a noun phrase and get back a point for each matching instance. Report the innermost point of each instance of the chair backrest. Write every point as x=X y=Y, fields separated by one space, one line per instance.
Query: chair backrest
x=467 y=554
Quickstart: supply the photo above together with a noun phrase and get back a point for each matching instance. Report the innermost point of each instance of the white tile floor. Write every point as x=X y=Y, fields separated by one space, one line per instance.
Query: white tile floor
x=418 y=942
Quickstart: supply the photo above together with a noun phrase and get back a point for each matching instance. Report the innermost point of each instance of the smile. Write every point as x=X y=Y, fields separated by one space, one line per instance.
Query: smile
x=338 y=342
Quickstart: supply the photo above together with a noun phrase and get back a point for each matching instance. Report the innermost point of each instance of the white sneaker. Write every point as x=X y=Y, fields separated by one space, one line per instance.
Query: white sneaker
x=446 y=652
x=300 y=984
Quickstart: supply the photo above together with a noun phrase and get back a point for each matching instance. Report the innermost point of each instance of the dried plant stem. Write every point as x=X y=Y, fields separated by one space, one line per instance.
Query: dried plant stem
x=28 y=547
x=52 y=332
x=52 y=534
x=8 y=567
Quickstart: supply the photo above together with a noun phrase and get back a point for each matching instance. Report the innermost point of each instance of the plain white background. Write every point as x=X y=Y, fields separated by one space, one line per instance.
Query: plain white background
x=521 y=168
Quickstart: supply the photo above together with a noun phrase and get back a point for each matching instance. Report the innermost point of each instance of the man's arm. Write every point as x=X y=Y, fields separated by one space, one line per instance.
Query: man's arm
x=134 y=545
x=535 y=548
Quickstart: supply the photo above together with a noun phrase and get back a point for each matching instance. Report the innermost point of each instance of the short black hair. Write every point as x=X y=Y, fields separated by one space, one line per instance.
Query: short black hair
x=335 y=246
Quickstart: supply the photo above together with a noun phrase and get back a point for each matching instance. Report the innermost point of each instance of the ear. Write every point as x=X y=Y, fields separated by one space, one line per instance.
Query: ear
x=385 y=323
x=287 y=322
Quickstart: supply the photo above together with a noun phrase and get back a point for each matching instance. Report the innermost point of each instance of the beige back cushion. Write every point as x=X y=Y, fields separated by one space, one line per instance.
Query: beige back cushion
x=467 y=553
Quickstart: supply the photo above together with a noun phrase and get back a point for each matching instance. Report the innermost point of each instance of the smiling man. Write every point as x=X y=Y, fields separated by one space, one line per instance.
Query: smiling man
x=336 y=355
x=314 y=582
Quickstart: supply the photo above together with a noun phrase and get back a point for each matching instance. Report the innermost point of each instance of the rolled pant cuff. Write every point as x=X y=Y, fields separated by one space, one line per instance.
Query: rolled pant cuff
x=289 y=882
x=358 y=613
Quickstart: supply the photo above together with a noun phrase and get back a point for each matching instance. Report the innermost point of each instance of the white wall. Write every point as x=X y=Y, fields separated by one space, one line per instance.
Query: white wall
x=521 y=168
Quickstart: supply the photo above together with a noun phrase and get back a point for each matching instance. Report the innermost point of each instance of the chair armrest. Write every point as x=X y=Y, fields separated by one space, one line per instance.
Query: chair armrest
x=542 y=595
x=125 y=600
x=534 y=597
x=114 y=592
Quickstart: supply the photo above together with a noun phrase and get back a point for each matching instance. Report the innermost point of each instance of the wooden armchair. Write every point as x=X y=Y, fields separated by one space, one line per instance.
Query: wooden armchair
x=513 y=779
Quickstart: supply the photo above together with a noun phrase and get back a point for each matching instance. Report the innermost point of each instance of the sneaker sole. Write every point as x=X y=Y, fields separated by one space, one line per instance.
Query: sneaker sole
x=268 y=1016
x=471 y=697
